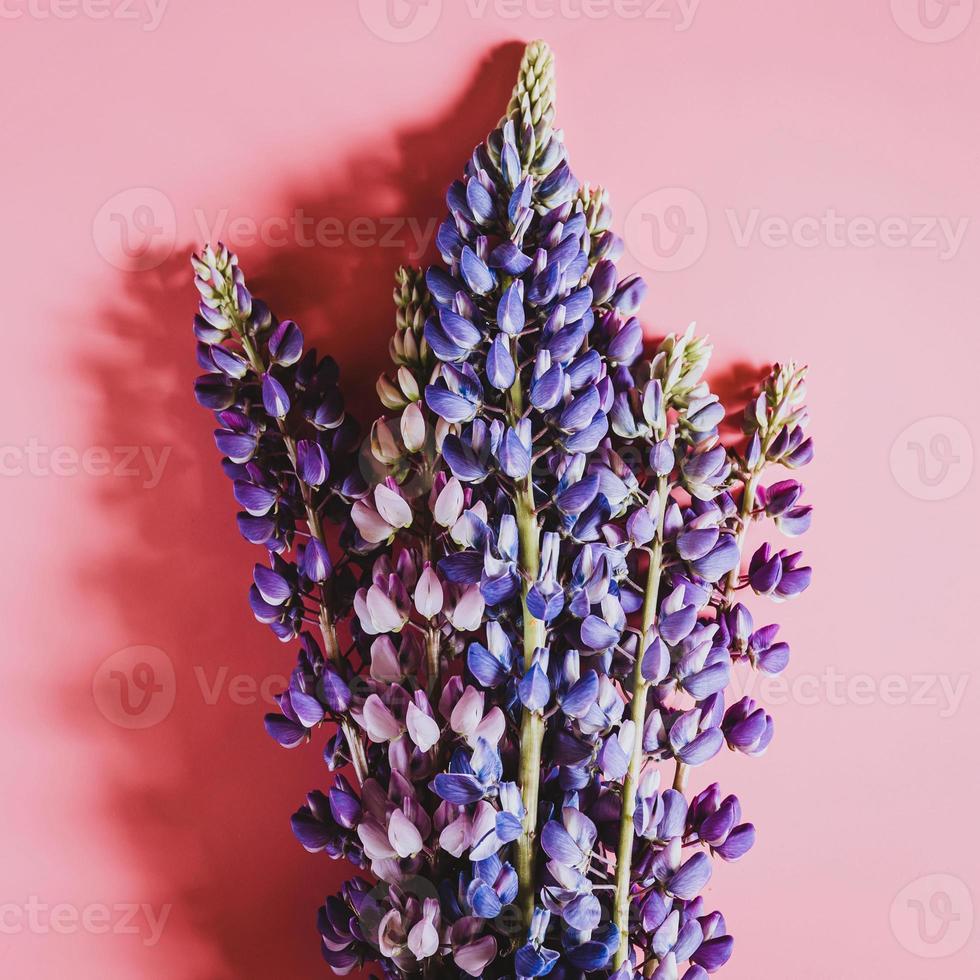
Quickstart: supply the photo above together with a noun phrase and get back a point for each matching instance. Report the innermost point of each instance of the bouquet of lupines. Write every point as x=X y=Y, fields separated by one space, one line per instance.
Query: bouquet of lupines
x=520 y=630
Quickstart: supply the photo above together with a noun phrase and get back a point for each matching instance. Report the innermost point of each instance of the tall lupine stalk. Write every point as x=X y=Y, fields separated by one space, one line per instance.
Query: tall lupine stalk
x=532 y=104
x=691 y=643
x=541 y=562
x=672 y=385
x=282 y=424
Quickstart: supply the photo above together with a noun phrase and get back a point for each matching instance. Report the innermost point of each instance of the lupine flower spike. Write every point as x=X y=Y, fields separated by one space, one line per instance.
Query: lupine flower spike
x=539 y=565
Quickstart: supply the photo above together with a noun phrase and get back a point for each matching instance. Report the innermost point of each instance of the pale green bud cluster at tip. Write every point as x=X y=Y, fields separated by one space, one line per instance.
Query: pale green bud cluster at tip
x=595 y=206
x=780 y=406
x=679 y=365
x=410 y=439
x=534 y=94
x=531 y=114
x=598 y=221
x=215 y=277
x=412 y=306
x=671 y=398
x=408 y=443
x=408 y=349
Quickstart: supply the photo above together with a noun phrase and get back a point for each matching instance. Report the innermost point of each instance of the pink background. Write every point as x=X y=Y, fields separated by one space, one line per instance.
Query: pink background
x=868 y=860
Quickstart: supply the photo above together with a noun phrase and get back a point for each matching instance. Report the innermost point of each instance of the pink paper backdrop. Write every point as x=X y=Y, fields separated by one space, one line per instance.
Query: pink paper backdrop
x=799 y=178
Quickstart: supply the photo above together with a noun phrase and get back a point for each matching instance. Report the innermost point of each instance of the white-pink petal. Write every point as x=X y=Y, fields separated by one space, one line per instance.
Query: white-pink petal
x=413 y=427
x=380 y=724
x=392 y=506
x=423 y=939
x=474 y=957
x=449 y=503
x=451 y=693
x=424 y=731
x=468 y=712
x=385 y=666
x=457 y=836
x=404 y=835
x=428 y=592
x=377 y=845
x=468 y=614
x=363 y=613
x=370 y=523
x=390 y=937
x=491 y=728
x=384 y=613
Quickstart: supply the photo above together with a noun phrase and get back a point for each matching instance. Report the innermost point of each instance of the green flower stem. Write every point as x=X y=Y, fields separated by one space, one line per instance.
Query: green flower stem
x=624 y=852
x=680 y=776
x=433 y=637
x=432 y=641
x=532 y=723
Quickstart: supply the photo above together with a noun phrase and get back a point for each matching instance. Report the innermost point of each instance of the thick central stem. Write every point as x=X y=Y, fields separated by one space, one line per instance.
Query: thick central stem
x=432 y=662
x=532 y=723
x=638 y=707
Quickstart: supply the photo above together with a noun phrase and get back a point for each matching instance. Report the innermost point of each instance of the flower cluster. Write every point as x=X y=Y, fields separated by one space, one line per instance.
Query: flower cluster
x=541 y=581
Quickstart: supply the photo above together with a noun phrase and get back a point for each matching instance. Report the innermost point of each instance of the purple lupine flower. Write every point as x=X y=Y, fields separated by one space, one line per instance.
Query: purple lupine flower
x=538 y=582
